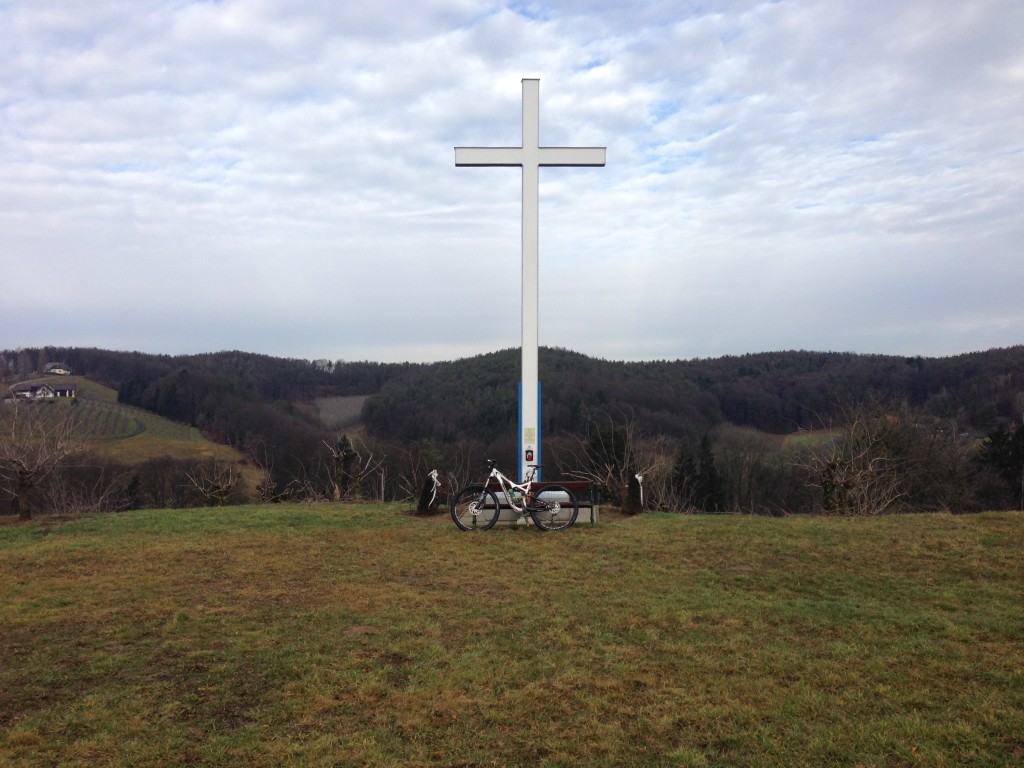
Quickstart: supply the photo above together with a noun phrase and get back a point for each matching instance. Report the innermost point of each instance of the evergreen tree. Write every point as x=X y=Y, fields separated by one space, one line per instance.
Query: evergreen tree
x=696 y=482
x=1003 y=451
x=709 y=482
x=684 y=476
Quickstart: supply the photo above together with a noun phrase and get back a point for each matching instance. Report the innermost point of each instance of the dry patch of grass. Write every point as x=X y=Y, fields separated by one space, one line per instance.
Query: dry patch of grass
x=332 y=635
x=144 y=447
x=341 y=412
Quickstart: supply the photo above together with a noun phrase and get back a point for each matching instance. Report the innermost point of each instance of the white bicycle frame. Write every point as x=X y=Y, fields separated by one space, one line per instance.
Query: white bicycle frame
x=509 y=488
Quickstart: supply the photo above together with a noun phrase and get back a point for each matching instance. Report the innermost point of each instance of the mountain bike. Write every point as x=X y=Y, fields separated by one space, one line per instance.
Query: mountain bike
x=552 y=507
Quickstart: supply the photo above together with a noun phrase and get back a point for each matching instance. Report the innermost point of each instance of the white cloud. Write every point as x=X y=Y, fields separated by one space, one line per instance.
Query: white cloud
x=188 y=176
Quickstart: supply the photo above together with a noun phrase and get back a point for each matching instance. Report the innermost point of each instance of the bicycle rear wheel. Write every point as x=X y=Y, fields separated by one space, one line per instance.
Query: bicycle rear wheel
x=554 y=508
x=475 y=508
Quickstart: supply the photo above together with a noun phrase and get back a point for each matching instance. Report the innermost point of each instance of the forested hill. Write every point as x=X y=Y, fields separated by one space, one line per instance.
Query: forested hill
x=776 y=392
x=263 y=376
x=258 y=404
x=227 y=393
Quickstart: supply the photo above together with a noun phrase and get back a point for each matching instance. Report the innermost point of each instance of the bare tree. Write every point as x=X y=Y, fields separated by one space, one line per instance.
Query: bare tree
x=462 y=464
x=36 y=438
x=859 y=471
x=266 y=486
x=371 y=473
x=101 y=489
x=757 y=477
x=346 y=459
x=612 y=456
x=215 y=482
x=356 y=467
x=666 y=489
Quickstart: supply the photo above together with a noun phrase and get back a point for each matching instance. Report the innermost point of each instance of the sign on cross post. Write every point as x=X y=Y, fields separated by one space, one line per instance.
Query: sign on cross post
x=530 y=157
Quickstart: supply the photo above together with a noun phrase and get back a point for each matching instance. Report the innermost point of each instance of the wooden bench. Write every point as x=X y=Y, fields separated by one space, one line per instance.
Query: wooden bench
x=586 y=499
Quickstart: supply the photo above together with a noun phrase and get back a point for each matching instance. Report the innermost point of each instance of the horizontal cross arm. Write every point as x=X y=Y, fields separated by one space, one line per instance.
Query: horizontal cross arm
x=488 y=156
x=572 y=156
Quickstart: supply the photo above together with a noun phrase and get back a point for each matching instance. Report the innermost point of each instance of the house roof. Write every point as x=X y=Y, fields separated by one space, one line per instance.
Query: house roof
x=33 y=387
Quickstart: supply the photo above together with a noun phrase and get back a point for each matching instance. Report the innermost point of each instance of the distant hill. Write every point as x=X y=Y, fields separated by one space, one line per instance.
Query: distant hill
x=241 y=399
x=779 y=392
x=278 y=420
x=260 y=405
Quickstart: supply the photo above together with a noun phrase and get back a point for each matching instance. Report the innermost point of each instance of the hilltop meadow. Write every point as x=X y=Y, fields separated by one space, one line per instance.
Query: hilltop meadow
x=315 y=635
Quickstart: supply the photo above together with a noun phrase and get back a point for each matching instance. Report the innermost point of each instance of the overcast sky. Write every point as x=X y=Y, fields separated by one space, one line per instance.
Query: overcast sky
x=277 y=176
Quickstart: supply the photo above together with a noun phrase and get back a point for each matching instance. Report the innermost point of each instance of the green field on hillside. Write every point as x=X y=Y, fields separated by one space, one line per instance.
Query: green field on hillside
x=126 y=433
x=340 y=413
x=328 y=635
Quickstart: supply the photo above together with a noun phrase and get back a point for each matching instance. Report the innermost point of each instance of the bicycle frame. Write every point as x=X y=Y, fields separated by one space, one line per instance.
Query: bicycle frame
x=509 y=488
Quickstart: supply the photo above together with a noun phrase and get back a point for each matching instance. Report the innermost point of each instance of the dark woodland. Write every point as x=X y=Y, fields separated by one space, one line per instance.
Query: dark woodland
x=717 y=434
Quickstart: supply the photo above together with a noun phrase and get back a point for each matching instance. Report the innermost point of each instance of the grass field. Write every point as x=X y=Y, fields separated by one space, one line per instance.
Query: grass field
x=340 y=413
x=131 y=435
x=128 y=434
x=348 y=636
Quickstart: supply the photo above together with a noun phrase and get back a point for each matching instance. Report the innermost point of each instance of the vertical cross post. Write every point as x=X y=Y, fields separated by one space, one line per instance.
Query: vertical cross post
x=530 y=157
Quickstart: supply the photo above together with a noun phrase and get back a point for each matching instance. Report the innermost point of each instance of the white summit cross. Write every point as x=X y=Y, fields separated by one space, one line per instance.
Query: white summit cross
x=530 y=157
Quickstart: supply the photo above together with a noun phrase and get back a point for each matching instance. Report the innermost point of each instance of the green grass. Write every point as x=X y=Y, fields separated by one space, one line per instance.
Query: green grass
x=337 y=413
x=133 y=435
x=806 y=440
x=106 y=422
x=129 y=434
x=87 y=389
x=335 y=636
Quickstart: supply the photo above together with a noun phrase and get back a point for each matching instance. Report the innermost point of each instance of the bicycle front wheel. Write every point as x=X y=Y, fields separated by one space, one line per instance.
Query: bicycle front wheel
x=475 y=508
x=554 y=507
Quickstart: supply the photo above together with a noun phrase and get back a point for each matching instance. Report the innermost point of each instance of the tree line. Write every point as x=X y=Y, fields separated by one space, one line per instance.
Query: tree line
x=769 y=433
x=778 y=393
x=476 y=397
